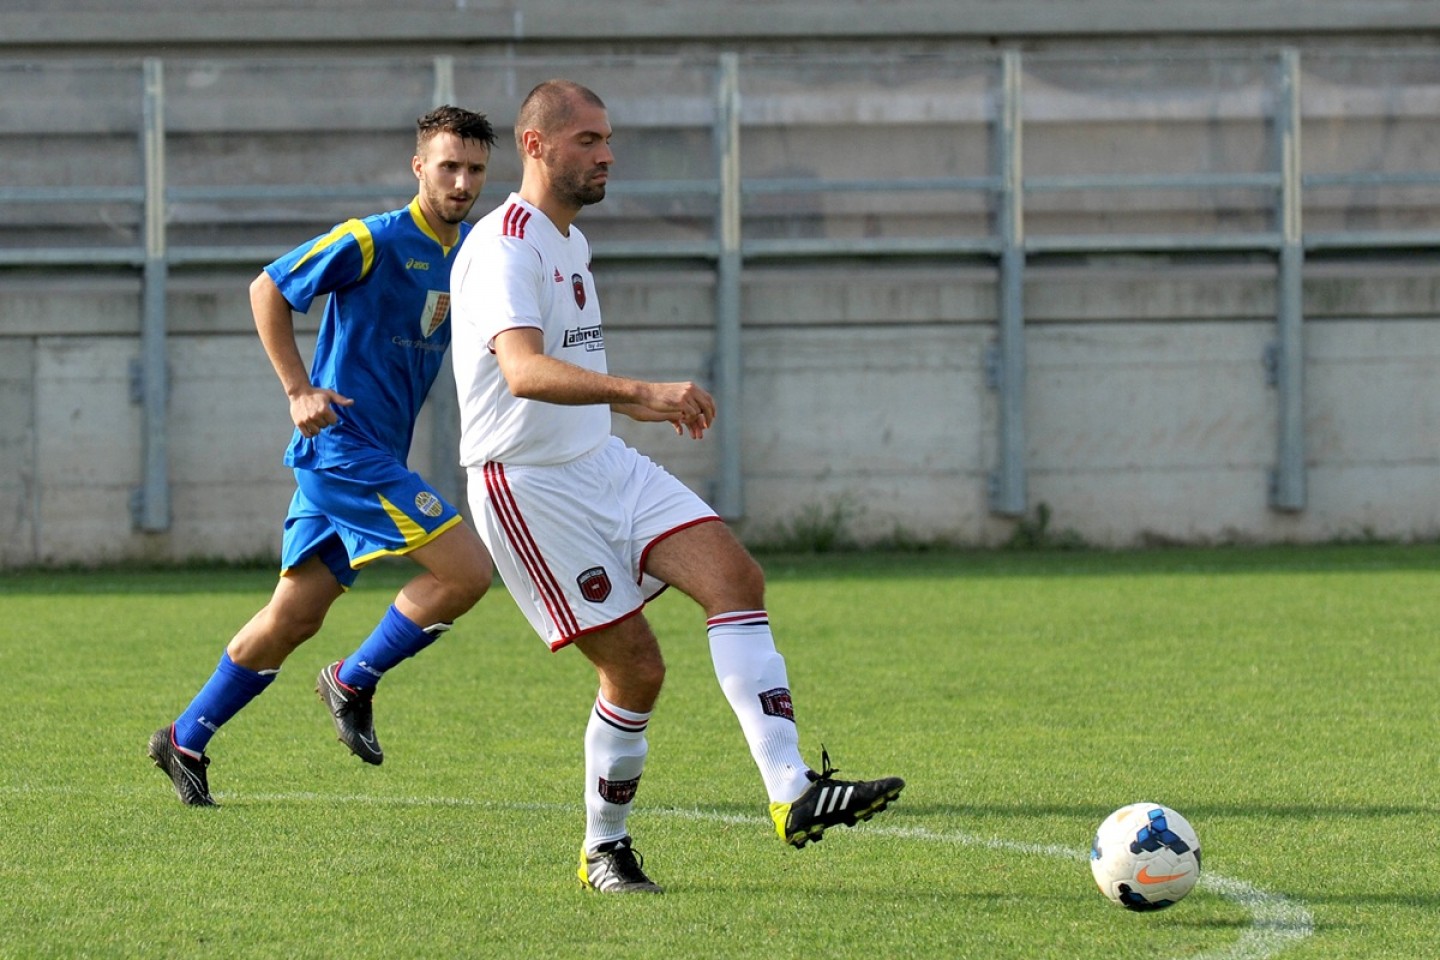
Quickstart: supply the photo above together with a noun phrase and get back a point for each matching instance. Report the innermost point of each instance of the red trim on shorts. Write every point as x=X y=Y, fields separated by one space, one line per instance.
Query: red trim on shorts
x=565 y=641
x=516 y=531
x=645 y=554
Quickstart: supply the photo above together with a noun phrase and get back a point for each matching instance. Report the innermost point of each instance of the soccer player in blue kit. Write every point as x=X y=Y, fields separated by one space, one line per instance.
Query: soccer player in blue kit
x=380 y=347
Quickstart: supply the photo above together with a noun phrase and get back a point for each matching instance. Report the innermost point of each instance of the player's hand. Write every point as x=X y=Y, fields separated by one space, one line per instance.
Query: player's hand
x=313 y=410
x=695 y=426
x=645 y=415
x=687 y=406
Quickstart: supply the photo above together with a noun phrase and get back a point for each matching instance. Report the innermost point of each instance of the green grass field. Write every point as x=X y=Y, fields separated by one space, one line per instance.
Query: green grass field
x=1287 y=701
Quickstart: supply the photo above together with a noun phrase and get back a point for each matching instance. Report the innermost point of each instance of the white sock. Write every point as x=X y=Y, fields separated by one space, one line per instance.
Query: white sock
x=752 y=674
x=615 y=748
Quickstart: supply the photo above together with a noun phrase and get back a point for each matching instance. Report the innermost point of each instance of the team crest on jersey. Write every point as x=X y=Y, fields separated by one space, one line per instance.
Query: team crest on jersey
x=577 y=283
x=776 y=703
x=594 y=584
x=437 y=308
x=428 y=504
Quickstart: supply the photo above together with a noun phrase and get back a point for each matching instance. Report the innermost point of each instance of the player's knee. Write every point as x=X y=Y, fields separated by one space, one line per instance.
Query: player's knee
x=750 y=579
x=458 y=588
x=293 y=630
x=651 y=675
x=742 y=586
x=470 y=585
x=642 y=684
x=270 y=639
x=740 y=570
x=636 y=683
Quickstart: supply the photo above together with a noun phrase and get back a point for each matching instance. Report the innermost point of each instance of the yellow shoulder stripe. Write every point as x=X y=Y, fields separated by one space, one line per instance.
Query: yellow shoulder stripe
x=350 y=228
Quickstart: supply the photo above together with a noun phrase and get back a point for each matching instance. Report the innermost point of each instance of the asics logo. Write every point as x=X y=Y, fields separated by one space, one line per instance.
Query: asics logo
x=833 y=798
x=1145 y=876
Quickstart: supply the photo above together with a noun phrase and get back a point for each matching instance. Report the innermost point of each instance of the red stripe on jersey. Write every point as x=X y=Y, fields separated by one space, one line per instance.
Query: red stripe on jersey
x=515 y=219
x=508 y=512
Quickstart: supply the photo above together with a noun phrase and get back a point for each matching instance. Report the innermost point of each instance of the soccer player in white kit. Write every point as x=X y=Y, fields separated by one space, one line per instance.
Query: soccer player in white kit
x=585 y=530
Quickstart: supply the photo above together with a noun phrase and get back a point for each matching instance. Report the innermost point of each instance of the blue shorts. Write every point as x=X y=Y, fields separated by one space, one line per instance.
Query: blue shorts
x=348 y=516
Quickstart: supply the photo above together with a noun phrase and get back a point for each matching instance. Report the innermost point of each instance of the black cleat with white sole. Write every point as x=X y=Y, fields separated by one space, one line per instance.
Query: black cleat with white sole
x=830 y=802
x=616 y=867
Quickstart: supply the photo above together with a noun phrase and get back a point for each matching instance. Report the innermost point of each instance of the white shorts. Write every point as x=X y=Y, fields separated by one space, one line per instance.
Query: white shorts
x=570 y=540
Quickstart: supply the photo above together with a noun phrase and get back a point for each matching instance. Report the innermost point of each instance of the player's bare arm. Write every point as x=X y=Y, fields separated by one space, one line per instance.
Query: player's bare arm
x=533 y=375
x=310 y=406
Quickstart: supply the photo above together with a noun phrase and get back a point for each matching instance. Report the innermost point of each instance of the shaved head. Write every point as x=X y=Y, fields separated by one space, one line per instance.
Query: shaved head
x=550 y=106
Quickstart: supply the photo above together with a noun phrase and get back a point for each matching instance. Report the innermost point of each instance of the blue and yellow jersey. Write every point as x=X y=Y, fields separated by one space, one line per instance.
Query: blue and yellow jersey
x=384 y=333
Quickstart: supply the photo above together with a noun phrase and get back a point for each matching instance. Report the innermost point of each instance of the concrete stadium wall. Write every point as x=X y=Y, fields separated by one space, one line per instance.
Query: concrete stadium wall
x=1148 y=417
x=1147 y=411
x=632 y=25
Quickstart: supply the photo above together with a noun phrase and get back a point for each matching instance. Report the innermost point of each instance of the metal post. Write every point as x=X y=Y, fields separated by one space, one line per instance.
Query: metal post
x=151 y=504
x=1007 y=483
x=729 y=485
x=444 y=92
x=445 y=471
x=1287 y=483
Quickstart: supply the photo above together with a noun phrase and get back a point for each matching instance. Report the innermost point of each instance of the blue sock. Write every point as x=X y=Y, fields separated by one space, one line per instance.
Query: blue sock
x=229 y=688
x=396 y=638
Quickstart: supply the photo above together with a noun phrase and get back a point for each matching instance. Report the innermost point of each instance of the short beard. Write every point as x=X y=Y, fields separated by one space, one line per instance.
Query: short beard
x=440 y=204
x=577 y=193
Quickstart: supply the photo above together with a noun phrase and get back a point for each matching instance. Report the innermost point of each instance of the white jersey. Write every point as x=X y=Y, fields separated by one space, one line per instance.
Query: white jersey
x=517 y=270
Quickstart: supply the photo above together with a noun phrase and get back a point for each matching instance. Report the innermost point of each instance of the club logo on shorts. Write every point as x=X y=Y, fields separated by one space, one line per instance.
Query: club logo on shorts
x=577 y=282
x=776 y=703
x=617 y=791
x=594 y=584
x=428 y=504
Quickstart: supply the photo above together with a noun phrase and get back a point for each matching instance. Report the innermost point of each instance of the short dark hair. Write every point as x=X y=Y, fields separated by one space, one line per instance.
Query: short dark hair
x=465 y=124
x=550 y=105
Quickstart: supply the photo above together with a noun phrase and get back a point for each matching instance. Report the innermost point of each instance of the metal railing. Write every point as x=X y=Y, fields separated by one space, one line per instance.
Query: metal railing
x=1004 y=189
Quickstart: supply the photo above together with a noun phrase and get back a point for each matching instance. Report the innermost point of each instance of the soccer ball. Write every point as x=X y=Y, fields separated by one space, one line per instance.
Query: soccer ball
x=1145 y=856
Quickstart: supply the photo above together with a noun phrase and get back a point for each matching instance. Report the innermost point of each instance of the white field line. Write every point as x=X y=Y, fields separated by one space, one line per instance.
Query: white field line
x=1276 y=922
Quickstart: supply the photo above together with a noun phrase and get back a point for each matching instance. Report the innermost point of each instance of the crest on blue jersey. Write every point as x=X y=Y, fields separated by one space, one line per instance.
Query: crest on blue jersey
x=437 y=308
